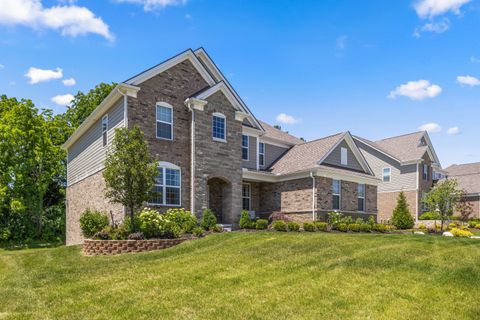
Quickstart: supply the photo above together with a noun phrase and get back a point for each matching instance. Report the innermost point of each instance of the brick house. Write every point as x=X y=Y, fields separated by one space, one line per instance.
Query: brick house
x=405 y=163
x=468 y=179
x=212 y=152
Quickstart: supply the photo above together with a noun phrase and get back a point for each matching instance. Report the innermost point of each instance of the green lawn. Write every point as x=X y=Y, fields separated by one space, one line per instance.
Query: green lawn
x=251 y=276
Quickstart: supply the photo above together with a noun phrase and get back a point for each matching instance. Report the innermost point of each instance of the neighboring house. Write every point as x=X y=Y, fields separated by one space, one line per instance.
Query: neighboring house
x=405 y=163
x=468 y=178
x=212 y=152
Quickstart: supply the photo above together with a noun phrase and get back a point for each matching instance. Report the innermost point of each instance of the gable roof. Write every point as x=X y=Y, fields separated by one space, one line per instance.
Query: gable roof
x=467 y=176
x=279 y=135
x=310 y=155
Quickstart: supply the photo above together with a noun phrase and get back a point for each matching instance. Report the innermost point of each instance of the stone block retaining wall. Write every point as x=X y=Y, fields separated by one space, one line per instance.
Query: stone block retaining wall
x=111 y=247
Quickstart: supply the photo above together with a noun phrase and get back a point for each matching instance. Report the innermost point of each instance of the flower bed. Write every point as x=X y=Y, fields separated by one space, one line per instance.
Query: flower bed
x=111 y=247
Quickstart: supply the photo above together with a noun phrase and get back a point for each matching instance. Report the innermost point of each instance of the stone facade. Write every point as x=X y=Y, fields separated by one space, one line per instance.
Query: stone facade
x=387 y=201
x=111 y=247
x=87 y=193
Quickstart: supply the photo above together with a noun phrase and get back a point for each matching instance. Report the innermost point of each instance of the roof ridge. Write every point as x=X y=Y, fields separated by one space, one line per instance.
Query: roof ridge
x=402 y=135
x=315 y=140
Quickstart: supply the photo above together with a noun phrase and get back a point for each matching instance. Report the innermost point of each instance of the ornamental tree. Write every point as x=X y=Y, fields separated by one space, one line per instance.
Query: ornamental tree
x=402 y=219
x=443 y=198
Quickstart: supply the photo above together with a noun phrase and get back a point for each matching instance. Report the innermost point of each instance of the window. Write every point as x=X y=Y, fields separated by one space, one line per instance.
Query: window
x=344 y=156
x=387 y=172
x=164 y=121
x=261 y=154
x=245 y=144
x=425 y=172
x=336 y=193
x=361 y=197
x=167 y=186
x=218 y=127
x=105 y=129
x=246 y=196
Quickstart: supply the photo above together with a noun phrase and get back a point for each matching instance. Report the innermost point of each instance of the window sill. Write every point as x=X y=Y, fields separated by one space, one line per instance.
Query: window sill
x=219 y=140
x=164 y=139
x=163 y=205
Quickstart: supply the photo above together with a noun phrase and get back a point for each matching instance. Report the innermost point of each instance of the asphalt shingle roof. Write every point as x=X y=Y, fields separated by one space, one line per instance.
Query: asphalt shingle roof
x=467 y=176
x=280 y=135
x=405 y=147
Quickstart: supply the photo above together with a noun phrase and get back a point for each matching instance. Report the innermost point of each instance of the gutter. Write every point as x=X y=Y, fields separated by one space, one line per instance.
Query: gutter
x=314 y=211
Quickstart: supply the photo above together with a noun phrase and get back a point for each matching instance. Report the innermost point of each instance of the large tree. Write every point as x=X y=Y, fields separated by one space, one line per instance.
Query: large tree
x=129 y=170
x=443 y=198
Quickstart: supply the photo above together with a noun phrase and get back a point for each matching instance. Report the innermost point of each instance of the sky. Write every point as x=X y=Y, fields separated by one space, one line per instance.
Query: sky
x=375 y=68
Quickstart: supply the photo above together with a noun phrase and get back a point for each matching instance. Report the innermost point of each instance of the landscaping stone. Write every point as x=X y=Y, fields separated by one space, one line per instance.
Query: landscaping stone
x=475 y=237
x=447 y=234
x=419 y=232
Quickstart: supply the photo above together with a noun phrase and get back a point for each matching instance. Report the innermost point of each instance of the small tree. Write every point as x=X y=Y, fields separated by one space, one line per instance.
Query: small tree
x=129 y=170
x=443 y=198
x=402 y=219
x=464 y=207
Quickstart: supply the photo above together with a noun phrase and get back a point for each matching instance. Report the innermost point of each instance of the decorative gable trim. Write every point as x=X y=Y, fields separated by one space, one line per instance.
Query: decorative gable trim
x=431 y=151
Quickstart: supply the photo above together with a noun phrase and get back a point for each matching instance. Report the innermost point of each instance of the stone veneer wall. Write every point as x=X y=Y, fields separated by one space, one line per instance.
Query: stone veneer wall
x=111 y=247
x=387 y=201
x=87 y=193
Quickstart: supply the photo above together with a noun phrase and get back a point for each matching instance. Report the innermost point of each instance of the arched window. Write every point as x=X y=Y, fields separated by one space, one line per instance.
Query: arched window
x=164 y=118
x=168 y=185
x=219 y=126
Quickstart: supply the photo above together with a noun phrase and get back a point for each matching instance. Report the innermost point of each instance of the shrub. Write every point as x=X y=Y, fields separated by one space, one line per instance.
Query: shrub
x=421 y=226
x=334 y=218
x=101 y=235
x=473 y=223
x=245 y=221
x=198 y=232
x=452 y=225
x=461 y=233
x=401 y=218
x=136 y=236
x=347 y=220
x=321 y=226
x=184 y=219
x=379 y=227
x=279 y=216
x=279 y=225
x=477 y=226
x=156 y=225
x=92 y=221
x=429 y=216
x=261 y=224
x=365 y=227
x=309 y=226
x=293 y=226
x=342 y=227
x=371 y=221
x=116 y=233
x=354 y=227
x=209 y=221
x=217 y=228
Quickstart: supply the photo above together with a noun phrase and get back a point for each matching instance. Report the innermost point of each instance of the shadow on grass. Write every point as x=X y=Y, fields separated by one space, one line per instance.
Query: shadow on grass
x=29 y=245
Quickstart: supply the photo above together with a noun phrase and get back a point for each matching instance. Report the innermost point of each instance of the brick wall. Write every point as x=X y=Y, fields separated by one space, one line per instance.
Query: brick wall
x=387 y=201
x=111 y=247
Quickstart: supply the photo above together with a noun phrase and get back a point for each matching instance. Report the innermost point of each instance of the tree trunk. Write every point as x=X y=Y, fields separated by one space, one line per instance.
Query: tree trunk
x=132 y=219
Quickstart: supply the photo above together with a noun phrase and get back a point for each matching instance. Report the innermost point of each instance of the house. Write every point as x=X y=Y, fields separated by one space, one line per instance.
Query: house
x=468 y=178
x=212 y=152
x=405 y=163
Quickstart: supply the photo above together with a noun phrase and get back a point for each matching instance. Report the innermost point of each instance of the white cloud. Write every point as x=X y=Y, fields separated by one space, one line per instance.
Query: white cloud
x=430 y=127
x=432 y=8
x=416 y=90
x=2 y=66
x=474 y=59
x=286 y=119
x=453 y=131
x=468 y=80
x=63 y=99
x=70 y=20
x=341 y=42
x=149 y=5
x=69 y=82
x=435 y=27
x=37 y=75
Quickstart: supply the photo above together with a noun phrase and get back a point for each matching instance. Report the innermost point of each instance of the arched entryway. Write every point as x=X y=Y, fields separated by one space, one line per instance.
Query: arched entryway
x=220 y=198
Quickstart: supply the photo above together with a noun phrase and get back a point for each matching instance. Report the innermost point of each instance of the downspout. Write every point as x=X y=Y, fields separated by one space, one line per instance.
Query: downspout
x=418 y=190
x=125 y=121
x=313 y=197
x=192 y=160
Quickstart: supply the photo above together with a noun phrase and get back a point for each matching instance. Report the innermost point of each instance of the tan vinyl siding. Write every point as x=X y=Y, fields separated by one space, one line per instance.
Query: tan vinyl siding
x=272 y=153
x=334 y=158
x=252 y=154
x=402 y=177
x=87 y=155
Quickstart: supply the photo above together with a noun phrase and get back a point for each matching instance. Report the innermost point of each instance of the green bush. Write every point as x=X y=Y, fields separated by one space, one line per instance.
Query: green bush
x=354 y=227
x=261 y=224
x=156 y=225
x=343 y=227
x=217 y=228
x=401 y=218
x=309 y=226
x=461 y=233
x=429 y=216
x=473 y=223
x=365 y=227
x=359 y=221
x=371 y=221
x=321 y=226
x=347 y=220
x=279 y=225
x=293 y=226
x=452 y=225
x=184 y=219
x=379 y=227
x=92 y=221
x=334 y=218
x=421 y=226
x=245 y=221
x=209 y=221
x=198 y=232
x=116 y=233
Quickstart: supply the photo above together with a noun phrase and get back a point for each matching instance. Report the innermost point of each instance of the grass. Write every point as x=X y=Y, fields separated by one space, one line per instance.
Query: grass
x=250 y=276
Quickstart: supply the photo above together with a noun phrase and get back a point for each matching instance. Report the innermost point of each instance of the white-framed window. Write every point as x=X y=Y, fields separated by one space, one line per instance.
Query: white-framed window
x=164 y=117
x=167 y=190
x=344 y=156
x=219 y=127
x=387 y=174
x=246 y=196
x=361 y=197
x=426 y=170
x=105 y=129
x=336 y=194
x=245 y=145
x=261 y=154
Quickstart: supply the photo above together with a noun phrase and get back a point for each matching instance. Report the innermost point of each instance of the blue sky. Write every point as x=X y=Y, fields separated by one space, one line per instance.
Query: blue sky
x=375 y=68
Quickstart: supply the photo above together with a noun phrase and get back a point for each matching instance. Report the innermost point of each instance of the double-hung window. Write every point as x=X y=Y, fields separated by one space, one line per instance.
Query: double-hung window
x=426 y=170
x=261 y=154
x=361 y=197
x=105 y=129
x=386 y=174
x=218 y=127
x=164 y=121
x=245 y=144
x=167 y=186
x=336 y=194
x=246 y=196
